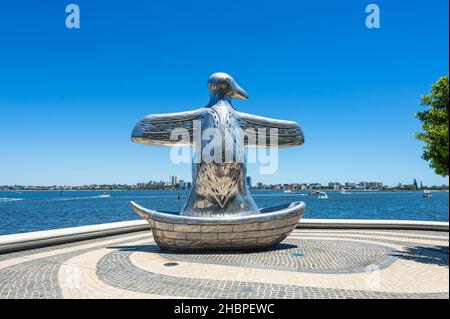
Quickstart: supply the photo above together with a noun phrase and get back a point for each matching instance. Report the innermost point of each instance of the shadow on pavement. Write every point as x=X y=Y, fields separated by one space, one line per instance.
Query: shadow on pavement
x=436 y=255
x=153 y=248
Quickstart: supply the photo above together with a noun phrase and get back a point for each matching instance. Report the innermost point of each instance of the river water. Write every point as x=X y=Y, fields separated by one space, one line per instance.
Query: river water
x=41 y=210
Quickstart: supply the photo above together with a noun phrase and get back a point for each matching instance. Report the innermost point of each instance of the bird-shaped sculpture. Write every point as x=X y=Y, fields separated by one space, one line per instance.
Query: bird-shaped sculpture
x=219 y=134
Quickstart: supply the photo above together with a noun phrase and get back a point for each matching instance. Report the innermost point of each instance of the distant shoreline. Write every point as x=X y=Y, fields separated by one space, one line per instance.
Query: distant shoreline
x=252 y=189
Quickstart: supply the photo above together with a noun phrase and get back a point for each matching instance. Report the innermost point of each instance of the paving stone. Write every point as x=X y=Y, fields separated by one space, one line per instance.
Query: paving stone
x=38 y=278
x=116 y=269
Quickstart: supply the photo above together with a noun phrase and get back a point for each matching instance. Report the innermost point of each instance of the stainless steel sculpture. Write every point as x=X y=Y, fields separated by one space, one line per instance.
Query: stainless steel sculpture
x=220 y=212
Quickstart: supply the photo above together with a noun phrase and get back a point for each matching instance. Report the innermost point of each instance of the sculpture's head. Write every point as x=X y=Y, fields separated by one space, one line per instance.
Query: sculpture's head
x=222 y=85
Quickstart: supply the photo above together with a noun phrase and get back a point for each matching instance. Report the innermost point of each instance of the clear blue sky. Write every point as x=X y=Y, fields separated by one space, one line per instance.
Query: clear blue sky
x=70 y=98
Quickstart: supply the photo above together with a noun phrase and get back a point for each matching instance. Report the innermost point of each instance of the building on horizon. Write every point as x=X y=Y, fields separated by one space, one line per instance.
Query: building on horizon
x=370 y=185
x=248 y=180
x=315 y=185
x=334 y=185
x=173 y=180
x=350 y=185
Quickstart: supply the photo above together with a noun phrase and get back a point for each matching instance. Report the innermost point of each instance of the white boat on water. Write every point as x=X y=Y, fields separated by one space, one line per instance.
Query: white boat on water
x=322 y=195
x=104 y=195
x=344 y=192
x=287 y=191
x=427 y=193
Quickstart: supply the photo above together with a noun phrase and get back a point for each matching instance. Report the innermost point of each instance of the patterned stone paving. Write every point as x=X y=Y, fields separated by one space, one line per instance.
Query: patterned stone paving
x=324 y=256
x=385 y=240
x=135 y=279
x=37 y=278
x=330 y=263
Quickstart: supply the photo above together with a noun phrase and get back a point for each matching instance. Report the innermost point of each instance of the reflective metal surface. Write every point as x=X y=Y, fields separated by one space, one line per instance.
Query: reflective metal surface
x=219 y=186
x=260 y=231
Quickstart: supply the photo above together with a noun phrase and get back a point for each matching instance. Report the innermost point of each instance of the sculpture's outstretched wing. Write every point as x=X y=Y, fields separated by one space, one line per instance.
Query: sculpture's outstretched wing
x=289 y=133
x=156 y=129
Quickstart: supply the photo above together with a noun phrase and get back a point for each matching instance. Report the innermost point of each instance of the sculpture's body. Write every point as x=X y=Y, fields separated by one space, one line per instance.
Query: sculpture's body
x=219 y=190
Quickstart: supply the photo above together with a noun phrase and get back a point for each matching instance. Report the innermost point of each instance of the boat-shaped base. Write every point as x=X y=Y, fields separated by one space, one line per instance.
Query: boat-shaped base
x=186 y=233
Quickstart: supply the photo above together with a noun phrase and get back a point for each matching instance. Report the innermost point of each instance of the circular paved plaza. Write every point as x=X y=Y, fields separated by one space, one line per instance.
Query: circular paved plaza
x=308 y=264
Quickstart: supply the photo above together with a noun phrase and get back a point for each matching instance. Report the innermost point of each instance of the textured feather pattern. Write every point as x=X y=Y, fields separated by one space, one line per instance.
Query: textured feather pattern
x=219 y=181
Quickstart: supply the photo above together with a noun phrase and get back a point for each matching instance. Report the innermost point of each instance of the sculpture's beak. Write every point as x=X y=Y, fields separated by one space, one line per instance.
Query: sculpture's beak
x=238 y=93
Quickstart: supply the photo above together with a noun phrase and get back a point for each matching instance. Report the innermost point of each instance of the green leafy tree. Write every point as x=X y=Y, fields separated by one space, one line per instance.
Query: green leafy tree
x=435 y=126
